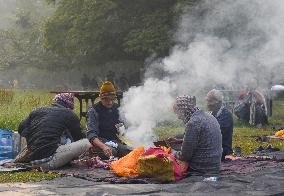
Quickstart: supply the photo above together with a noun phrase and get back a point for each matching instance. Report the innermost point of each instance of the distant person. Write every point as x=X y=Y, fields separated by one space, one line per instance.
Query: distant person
x=123 y=82
x=94 y=84
x=49 y=131
x=202 y=141
x=251 y=108
x=85 y=81
x=224 y=117
x=11 y=84
x=103 y=123
x=15 y=83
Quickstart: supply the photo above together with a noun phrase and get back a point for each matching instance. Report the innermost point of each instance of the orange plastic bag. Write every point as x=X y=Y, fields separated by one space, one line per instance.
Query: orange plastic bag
x=280 y=133
x=127 y=165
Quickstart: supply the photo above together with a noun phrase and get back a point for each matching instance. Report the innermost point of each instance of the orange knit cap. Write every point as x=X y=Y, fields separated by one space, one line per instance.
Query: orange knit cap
x=107 y=89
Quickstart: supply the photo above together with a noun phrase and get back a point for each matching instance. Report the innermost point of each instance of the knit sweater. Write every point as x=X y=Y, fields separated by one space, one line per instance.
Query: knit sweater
x=202 y=143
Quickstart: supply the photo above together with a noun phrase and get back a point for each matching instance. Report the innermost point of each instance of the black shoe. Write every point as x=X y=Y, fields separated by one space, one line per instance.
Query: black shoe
x=259 y=149
x=262 y=139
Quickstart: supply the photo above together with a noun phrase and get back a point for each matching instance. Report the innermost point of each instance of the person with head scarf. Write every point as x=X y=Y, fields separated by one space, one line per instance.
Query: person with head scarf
x=103 y=123
x=43 y=130
x=202 y=141
x=224 y=117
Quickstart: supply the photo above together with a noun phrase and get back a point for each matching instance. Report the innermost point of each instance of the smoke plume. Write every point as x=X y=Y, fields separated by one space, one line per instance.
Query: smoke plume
x=220 y=43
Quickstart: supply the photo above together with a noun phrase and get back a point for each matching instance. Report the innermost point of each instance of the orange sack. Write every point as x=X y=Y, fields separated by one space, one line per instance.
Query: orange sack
x=127 y=165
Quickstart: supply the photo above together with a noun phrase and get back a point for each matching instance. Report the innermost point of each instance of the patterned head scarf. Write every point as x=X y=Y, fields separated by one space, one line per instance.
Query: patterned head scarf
x=65 y=99
x=185 y=106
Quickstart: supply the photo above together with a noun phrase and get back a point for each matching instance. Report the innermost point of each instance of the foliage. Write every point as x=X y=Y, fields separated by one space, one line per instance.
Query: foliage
x=87 y=32
x=91 y=31
x=20 y=43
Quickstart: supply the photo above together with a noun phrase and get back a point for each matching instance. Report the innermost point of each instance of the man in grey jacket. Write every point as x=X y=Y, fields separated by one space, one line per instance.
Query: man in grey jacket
x=202 y=142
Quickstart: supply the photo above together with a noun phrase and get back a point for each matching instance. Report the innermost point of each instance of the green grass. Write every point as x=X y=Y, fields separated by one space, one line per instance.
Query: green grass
x=23 y=102
x=277 y=118
x=245 y=138
x=28 y=176
x=16 y=106
x=20 y=106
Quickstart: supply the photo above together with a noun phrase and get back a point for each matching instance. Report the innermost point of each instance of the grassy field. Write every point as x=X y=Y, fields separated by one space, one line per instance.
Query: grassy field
x=16 y=105
x=28 y=176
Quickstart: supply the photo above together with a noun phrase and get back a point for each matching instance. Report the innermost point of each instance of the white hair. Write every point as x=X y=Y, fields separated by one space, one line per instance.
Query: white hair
x=216 y=94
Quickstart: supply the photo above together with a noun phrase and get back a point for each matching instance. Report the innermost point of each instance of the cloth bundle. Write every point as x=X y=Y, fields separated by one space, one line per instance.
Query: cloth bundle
x=156 y=162
x=160 y=163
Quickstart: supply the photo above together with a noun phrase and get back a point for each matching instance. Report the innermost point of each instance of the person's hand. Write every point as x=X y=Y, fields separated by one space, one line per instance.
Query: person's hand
x=117 y=126
x=107 y=151
x=173 y=152
x=92 y=149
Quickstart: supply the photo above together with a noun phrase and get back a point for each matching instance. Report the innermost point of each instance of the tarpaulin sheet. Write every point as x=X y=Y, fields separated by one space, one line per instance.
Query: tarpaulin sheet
x=241 y=166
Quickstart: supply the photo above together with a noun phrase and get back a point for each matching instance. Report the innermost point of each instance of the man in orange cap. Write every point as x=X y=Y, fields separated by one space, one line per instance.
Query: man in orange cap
x=103 y=124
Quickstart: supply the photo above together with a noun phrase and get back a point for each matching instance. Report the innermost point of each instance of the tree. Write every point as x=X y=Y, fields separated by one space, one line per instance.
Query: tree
x=21 y=42
x=99 y=31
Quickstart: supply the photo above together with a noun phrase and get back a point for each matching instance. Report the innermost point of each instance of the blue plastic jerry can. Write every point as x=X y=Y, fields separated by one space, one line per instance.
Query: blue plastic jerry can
x=6 y=144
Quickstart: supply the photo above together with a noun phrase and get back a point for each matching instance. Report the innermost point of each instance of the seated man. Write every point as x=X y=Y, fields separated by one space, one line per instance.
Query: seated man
x=103 y=124
x=202 y=142
x=43 y=130
x=224 y=117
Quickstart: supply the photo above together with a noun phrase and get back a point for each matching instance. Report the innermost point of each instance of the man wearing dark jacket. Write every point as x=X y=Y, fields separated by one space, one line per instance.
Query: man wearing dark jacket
x=43 y=130
x=104 y=123
x=224 y=117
